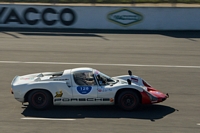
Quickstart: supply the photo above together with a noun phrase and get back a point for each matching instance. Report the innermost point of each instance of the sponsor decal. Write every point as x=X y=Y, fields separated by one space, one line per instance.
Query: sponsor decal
x=60 y=79
x=56 y=100
x=157 y=92
x=26 y=78
x=111 y=100
x=33 y=16
x=96 y=72
x=84 y=89
x=125 y=17
x=59 y=94
x=86 y=99
x=104 y=90
x=99 y=90
x=134 y=79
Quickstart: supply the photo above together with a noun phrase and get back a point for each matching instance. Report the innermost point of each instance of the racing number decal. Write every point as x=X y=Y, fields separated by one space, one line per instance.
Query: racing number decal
x=84 y=89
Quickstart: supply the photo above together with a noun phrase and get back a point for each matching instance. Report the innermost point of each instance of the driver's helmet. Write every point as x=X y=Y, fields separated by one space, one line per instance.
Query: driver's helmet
x=80 y=75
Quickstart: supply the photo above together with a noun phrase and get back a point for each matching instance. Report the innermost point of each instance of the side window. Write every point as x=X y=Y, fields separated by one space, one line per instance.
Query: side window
x=101 y=80
x=84 y=78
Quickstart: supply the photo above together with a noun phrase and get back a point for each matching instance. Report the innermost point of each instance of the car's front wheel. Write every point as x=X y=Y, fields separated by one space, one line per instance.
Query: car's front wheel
x=128 y=100
x=40 y=99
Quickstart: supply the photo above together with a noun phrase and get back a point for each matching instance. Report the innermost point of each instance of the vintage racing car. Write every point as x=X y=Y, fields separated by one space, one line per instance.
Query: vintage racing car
x=84 y=86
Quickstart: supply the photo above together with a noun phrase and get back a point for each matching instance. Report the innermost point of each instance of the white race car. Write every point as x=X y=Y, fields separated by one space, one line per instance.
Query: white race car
x=83 y=86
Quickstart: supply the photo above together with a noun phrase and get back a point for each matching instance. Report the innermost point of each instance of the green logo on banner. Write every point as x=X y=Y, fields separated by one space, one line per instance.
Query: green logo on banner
x=125 y=17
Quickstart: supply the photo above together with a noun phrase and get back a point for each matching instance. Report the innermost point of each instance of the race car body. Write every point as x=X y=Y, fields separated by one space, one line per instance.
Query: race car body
x=84 y=86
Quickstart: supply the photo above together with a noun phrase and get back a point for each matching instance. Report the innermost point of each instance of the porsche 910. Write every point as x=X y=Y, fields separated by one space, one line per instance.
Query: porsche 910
x=84 y=86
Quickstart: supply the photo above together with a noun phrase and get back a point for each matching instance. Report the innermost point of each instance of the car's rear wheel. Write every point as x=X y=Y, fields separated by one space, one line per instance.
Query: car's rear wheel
x=40 y=99
x=128 y=100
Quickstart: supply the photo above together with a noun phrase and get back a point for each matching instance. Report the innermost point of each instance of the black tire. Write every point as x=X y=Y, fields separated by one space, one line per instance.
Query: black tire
x=128 y=100
x=40 y=99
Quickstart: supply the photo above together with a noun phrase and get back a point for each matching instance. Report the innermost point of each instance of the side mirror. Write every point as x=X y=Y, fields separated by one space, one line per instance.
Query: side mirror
x=129 y=72
x=129 y=81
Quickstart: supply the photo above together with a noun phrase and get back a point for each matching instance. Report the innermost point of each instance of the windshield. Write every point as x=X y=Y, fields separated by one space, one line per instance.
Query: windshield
x=103 y=78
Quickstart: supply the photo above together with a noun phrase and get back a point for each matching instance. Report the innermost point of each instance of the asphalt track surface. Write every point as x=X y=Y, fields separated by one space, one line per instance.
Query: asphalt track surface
x=163 y=59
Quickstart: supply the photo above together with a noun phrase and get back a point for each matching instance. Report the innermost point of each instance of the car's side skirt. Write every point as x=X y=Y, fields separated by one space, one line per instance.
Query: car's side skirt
x=83 y=101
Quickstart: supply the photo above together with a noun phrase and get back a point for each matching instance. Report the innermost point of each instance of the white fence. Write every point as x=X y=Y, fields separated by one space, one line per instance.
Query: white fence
x=98 y=17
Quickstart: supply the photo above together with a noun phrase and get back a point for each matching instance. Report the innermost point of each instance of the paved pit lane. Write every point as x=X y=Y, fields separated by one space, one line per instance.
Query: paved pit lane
x=169 y=61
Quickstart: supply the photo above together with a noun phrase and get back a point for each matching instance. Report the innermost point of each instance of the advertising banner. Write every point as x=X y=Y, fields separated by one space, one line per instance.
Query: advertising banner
x=98 y=17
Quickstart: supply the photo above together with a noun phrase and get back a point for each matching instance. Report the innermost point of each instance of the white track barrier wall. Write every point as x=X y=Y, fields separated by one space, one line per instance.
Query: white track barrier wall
x=97 y=17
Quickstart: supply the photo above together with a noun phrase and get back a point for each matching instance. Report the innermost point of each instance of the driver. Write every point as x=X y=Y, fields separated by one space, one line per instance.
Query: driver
x=80 y=79
x=101 y=80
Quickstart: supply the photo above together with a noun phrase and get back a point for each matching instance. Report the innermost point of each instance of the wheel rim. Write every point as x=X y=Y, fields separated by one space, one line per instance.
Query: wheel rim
x=128 y=101
x=39 y=99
